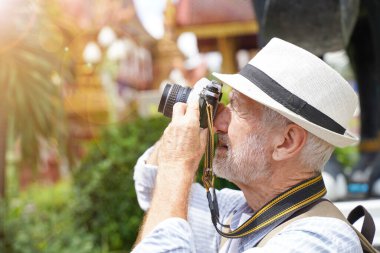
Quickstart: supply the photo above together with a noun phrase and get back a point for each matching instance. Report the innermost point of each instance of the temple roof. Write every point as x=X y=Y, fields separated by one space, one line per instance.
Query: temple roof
x=201 y=12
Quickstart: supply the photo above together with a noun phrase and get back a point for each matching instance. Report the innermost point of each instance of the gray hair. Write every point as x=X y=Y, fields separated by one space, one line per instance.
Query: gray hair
x=316 y=151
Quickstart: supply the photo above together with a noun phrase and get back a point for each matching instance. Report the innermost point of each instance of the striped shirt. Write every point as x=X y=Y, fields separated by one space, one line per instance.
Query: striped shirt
x=197 y=233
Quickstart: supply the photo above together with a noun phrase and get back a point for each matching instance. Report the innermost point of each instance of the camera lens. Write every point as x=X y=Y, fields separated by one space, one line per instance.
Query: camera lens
x=172 y=94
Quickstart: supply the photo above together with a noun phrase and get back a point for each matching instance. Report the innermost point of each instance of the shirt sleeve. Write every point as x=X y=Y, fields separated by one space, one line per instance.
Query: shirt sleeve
x=144 y=177
x=313 y=234
x=172 y=235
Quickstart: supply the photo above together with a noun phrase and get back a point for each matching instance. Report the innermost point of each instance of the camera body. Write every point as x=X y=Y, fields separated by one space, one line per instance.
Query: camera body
x=205 y=91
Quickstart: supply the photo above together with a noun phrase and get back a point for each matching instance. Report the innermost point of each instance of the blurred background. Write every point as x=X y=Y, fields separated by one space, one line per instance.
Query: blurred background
x=80 y=82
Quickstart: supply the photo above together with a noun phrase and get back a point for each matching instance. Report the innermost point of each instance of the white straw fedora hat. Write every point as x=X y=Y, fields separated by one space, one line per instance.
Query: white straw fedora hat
x=301 y=87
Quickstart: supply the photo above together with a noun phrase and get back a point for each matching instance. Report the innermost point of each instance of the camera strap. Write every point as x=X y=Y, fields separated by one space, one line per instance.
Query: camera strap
x=274 y=212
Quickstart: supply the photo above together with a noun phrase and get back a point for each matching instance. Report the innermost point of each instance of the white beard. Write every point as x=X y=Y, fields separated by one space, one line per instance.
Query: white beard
x=246 y=163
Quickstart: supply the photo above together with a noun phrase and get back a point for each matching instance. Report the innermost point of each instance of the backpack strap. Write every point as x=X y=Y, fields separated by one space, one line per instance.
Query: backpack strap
x=321 y=208
x=325 y=208
x=368 y=228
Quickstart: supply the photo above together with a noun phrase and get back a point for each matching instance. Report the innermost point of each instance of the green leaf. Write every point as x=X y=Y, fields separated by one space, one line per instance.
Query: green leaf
x=34 y=102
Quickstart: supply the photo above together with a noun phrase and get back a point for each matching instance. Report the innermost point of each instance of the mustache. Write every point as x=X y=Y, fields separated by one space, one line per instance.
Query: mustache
x=223 y=140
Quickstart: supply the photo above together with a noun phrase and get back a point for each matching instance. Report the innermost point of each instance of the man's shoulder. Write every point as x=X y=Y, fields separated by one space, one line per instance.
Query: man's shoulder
x=314 y=234
x=319 y=224
x=321 y=227
x=327 y=229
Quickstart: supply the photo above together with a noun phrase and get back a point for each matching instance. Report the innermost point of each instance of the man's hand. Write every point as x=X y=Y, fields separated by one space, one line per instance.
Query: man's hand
x=183 y=142
x=153 y=157
x=179 y=152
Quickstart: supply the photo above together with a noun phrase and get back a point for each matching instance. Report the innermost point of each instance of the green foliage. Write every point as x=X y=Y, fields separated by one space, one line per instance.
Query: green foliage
x=27 y=67
x=40 y=221
x=106 y=203
x=347 y=156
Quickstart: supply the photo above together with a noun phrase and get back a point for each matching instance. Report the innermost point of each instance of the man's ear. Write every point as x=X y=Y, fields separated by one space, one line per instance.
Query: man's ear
x=289 y=142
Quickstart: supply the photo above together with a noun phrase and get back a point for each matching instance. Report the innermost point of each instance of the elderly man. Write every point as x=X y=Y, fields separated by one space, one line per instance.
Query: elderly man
x=287 y=111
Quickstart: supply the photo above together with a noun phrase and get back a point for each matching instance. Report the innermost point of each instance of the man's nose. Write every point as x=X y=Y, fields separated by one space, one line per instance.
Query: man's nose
x=222 y=119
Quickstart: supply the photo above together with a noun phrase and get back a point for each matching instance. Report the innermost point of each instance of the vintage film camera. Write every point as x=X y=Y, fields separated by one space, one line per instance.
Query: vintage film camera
x=204 y=91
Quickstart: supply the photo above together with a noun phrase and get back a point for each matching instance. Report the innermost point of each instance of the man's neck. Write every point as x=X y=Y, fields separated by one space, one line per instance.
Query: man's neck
x=262 y=191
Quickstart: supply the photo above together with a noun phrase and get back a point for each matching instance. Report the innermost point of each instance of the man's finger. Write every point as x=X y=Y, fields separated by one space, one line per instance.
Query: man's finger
x=179 y=110
x=203 y=138
x=193 y=109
